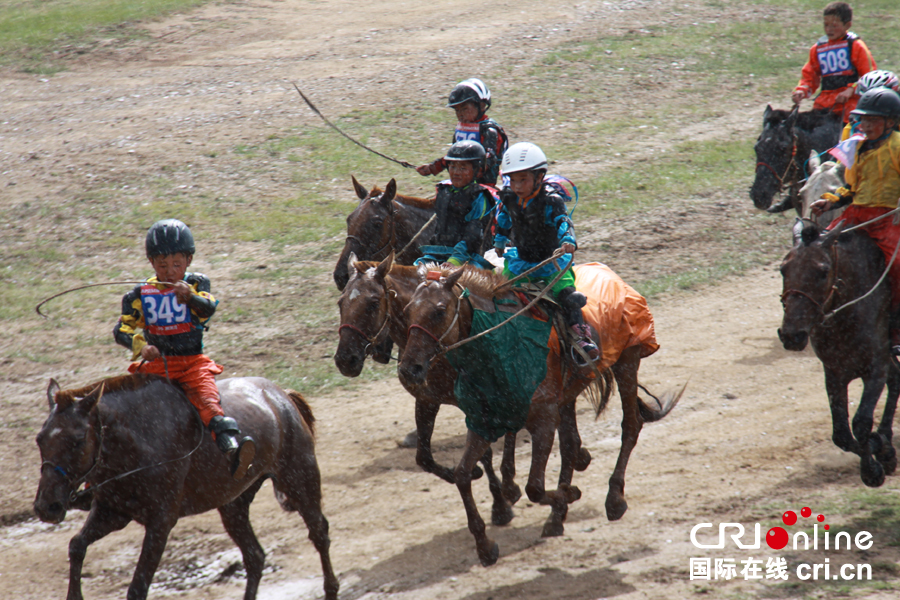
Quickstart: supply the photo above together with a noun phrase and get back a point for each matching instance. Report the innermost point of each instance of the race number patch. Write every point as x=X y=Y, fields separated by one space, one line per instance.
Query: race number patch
x=468 y=131
x=834 y=60
x=163 y=313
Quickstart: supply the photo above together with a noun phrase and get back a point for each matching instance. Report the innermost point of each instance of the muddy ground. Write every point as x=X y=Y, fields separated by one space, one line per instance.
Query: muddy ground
x=750 y=439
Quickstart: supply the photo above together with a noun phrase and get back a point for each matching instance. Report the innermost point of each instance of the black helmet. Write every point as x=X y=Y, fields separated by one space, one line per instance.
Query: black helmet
x=466 y=150
x=879 y=102
x=170 y=236
x=470 y=90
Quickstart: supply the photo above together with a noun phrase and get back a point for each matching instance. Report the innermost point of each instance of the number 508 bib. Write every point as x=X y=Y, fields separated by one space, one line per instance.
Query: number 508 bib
x=163 y=313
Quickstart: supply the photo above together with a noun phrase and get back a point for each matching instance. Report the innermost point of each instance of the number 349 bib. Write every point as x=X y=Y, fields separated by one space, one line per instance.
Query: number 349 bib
x=163 y=313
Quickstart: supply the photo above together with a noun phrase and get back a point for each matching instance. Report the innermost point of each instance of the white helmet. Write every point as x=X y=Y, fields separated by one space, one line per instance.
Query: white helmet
x=523 y=156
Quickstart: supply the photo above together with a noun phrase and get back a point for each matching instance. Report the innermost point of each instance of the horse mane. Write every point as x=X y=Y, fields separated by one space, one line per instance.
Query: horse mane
x=411 y=201
x=130 y=382
x=806 y=120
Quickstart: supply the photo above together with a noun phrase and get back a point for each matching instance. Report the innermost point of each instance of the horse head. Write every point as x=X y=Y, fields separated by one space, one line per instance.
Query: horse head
x=365 y=317
x=69 y=445
x=823 y=177
x=808 y=274
x=774 y=149
x=433 y=318
x=370 y=228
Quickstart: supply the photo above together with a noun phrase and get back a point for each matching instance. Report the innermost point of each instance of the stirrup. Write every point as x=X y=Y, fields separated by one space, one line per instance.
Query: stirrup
x=584 y=342
x=243 y=458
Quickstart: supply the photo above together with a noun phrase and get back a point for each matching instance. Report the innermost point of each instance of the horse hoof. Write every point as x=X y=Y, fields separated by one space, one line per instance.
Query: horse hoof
x=889 y=464
x=476 y=473
x=410 y=441
x=583 y=460
x=571 y=492
x=512 y=494
x=615 y=509
x=553 y=528
x=489 y=558
x=502 y=515
x=872 y=472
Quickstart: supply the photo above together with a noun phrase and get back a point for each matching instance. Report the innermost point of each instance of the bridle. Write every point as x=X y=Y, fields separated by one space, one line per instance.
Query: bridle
x=833 y=286
x=370 y=343
x=377 y=255
x=792 y=166
x=440 y=340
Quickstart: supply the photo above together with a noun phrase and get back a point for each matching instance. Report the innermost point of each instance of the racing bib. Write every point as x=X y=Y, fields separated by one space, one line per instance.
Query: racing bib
x=835 y=59
x=468 y=131
x=163 y=313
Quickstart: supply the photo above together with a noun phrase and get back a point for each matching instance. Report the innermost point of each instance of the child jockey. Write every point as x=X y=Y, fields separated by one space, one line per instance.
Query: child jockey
x=836 y=61
x=869 y=81
x=873 y=185
x=173 y=309
x=463 y=209
x=534 y=218
x=471 y=99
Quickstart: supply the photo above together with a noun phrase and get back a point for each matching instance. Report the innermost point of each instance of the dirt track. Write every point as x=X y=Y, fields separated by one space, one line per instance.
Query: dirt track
x=750 y=439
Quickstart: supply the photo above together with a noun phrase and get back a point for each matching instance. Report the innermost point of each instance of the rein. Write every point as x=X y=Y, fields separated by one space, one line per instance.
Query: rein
x=82 y=287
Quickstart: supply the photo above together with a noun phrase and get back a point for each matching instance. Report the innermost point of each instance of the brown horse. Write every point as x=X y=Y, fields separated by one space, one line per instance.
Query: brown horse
x=437 y=316
x=371 y=309
x=139 y=446
x=821 y=273
x=382 y=223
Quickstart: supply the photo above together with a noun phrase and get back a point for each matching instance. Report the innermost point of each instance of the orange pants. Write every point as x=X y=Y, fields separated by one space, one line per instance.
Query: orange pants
x=884 y=233
x=196 y=375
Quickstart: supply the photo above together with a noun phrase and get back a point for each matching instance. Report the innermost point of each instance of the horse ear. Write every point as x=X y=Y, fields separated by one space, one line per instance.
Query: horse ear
x=351 y=266
x=766 y=114
x=87 y=404
x=389 y=192
x=829 y=238
x=384 y=267
x=453 y=278
x=814 y=161
x=792 y=118
x=51 y=392
x=362 y=192
x=422 y=271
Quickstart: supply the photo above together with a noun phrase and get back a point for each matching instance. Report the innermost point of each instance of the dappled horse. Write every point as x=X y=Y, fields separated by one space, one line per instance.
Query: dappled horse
x=382 y=222
x=438 y=317
x=140 y=447
x=371 y=309
x=822 y=273
x=782 y=147
x=823 y=177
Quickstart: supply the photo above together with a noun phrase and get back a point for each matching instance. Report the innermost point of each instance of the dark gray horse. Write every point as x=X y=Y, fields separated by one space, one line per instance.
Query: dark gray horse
x=139 y=444
x=782 y=149
x=822 y=273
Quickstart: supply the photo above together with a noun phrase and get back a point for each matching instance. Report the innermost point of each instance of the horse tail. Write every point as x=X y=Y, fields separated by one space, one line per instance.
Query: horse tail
x=665 y=405
x=304 y=408
x=600 y=391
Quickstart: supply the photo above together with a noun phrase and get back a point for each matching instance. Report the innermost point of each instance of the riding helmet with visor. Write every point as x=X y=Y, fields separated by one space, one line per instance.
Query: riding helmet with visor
x=465 y=151
x=879 y=102
x=523 y=156
x=470 y=90
x=876 y=79
x=169 y=236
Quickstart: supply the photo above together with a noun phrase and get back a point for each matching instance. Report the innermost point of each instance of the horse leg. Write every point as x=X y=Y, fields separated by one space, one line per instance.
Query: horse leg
x=886 y=455
x=303 y=489
x=841 y=435
x=570 y=440
x=426 y=413
x=236 y=519
x=476 y=446
x=101 y=521
x=511 y=491
x=501 y=511
x=156 y=535
x=626 y=373
x=871 y=471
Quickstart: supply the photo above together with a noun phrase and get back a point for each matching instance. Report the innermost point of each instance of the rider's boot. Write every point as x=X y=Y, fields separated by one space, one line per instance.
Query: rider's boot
x=571 y=303
x=786 y=203
x=227 y=433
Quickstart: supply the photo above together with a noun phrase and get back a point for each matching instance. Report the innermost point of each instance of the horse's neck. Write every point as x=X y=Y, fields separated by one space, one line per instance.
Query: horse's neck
x=400 y=286
x=858 y=269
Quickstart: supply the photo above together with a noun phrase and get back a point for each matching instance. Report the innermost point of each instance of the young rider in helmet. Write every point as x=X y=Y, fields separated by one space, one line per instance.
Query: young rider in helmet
x=533 y=217
x=173 y=309
x=463 y=207
x=471 y=99
x=873 y=185
x=836 y=61
x=870 y=81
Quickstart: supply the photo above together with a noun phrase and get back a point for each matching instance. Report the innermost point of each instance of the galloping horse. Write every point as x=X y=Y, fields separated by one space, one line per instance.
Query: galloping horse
x=821 y=274
x=437 y=315
x=142 y=450
x=781 y=149
x=382 y=222
x=371 y=309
